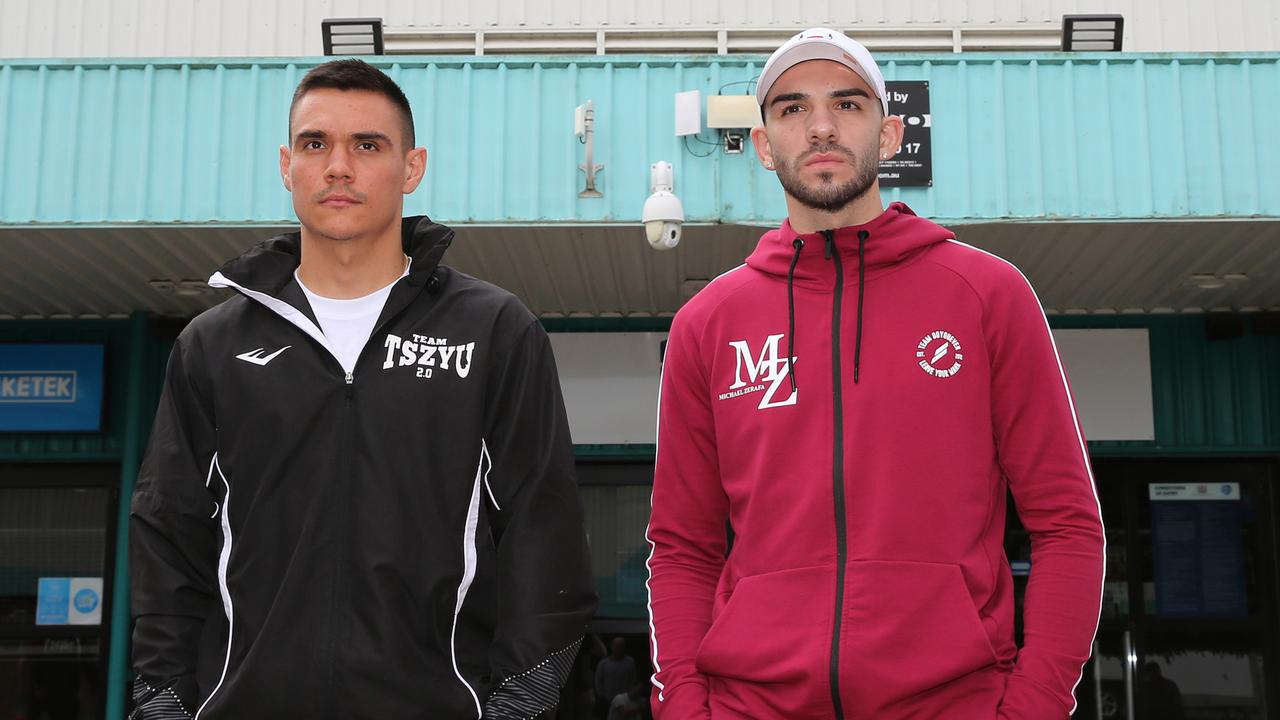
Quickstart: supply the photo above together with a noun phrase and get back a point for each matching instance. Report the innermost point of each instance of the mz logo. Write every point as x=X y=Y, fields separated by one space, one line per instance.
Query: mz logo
x=765 y=373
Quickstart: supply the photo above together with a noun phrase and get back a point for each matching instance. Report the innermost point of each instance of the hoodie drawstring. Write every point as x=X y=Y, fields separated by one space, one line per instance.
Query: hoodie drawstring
x=791 y=313
x=862 y=283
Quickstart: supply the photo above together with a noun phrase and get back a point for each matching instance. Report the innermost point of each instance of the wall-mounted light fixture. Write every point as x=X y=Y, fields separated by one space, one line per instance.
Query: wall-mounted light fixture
x=352 y=36
x=1102 y=33
x=1211 y=281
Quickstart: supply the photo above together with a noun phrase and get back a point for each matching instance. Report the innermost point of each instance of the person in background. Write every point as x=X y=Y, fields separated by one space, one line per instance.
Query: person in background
x=615 y=675
x=629 y=705
x=1162 y=700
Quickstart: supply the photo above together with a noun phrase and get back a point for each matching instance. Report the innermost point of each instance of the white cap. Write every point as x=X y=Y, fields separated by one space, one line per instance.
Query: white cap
x=823 y=44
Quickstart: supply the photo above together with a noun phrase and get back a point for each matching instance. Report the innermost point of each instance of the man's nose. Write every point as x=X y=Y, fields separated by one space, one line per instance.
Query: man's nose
x=339 y=167
x=822 y=126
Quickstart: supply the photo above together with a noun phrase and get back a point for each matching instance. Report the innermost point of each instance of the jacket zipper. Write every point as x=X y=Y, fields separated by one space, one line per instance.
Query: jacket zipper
x=837 y=471
x=339 y=613
x=347 y=463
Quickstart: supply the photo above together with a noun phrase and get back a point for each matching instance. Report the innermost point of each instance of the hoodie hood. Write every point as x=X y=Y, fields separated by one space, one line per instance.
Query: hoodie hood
x=268 y=266
x=896 y=235
x=867 y=249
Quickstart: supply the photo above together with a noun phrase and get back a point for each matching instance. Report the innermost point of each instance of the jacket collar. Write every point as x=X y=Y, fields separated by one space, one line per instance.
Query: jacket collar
x=268 y=266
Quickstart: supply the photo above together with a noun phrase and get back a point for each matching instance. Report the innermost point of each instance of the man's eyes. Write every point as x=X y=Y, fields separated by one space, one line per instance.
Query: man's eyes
x=366 y=145
x=842 y=105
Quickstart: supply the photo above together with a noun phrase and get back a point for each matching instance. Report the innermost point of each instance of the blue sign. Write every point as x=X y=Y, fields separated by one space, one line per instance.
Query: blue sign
x=50 y=388
x=52 y=601
x=86 y=601
x=1199 y=558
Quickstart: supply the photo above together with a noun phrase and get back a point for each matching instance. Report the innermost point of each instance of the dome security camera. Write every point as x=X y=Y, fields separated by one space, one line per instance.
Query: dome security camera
x=662 y=235
x=663 y=214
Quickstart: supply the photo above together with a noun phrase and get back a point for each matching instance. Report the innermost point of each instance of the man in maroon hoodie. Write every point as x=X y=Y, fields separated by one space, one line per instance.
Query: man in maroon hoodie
x=854 y=402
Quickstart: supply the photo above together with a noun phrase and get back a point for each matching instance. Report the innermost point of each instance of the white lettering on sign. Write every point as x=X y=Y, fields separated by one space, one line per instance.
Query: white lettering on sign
x=37 y=386
x=1194 y=491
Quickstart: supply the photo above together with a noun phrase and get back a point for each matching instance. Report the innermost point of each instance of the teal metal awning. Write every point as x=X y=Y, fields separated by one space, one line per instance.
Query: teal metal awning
x=1046 y=136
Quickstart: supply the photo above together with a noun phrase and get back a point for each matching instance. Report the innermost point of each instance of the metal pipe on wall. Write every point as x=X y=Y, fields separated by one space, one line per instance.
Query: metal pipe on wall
x=131 y=457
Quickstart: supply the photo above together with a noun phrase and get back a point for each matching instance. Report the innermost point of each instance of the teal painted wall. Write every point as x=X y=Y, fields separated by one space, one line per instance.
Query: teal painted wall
x=1032 y=136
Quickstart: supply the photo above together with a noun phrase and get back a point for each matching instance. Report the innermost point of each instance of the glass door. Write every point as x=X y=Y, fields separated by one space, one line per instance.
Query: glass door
x=1188 y=627
x=615 y=653
x=56 y=541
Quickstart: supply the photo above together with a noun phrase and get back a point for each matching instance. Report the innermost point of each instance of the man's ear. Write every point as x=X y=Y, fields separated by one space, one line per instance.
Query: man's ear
x=285 y=159
x=760 y=141
x=415 y=169
x=891 y=130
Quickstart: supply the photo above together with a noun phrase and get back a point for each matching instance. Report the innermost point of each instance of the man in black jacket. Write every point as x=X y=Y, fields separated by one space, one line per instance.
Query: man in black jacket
x=358 y=500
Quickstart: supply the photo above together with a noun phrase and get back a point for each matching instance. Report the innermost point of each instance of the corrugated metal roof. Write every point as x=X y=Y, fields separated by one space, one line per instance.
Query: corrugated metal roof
x=147 y=28
x=1014 y=136
x=576 y=271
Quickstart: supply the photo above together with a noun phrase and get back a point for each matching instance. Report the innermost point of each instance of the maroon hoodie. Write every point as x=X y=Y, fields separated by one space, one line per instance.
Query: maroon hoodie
x=865 y=485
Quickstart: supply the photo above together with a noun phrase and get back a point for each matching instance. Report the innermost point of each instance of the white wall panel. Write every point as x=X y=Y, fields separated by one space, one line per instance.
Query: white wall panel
x=610 y=385
x=1110 y=373
x=239 y=28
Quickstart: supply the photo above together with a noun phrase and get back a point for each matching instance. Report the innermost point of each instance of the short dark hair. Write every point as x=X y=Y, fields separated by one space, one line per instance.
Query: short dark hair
x=353 y=74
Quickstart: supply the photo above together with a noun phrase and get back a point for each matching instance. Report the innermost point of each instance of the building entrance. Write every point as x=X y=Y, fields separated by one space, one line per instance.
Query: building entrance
x=57 y=539
x=1188 y=629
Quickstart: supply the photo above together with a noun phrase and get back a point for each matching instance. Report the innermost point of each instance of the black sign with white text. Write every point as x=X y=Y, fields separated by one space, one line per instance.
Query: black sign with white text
x=912 y=165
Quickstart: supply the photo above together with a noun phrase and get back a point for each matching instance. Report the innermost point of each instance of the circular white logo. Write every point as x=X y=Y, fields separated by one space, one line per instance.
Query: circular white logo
x=939 y=354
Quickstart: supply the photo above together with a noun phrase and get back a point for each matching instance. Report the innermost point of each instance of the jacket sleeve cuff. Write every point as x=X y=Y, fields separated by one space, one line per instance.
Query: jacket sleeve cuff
x=534 y=691
x=686 y=701
x=1025 y=699
x=158 y=701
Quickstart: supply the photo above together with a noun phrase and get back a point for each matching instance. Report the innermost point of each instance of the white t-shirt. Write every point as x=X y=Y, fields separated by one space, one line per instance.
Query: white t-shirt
x=347 y=324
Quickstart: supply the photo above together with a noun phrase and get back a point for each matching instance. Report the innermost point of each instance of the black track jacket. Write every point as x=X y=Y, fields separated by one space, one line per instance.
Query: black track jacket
x=405 y=541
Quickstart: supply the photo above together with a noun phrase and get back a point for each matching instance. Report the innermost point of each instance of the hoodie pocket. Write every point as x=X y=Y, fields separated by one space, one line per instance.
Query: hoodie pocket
x=775 y=628
x=909 y=627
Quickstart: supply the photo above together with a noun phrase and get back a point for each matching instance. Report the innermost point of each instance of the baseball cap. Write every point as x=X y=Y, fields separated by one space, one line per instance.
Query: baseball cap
x=823 y=44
